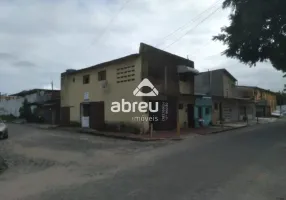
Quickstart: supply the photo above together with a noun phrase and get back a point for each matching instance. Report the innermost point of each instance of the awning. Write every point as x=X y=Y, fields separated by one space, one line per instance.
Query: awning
x=186 y=69
x=50 y=104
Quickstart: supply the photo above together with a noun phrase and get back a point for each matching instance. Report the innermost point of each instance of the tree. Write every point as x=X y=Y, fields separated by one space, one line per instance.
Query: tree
x=281 y=98
x=25 y=111
x=257 y=32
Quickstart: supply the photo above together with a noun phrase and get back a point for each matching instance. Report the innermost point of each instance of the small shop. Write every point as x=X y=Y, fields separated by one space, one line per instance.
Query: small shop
x=203 y=111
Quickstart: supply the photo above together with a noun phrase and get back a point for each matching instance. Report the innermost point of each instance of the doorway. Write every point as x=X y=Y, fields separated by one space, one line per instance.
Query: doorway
x=85 y=113
x=220 y=112
x=200 y=112
x=190 y=111
x=65 y=116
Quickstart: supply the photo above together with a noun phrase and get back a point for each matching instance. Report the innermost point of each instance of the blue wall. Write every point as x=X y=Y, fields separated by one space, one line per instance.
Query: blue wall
x=204 y=104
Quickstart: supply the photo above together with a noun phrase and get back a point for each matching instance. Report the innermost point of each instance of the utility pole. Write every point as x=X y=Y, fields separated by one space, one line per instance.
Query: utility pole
x=52 y=84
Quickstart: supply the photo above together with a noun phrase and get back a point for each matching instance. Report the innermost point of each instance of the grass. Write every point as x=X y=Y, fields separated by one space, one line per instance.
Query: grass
x=8 y=118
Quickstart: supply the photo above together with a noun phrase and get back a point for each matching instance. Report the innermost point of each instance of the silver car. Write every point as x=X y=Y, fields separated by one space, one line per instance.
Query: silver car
x=3 y=130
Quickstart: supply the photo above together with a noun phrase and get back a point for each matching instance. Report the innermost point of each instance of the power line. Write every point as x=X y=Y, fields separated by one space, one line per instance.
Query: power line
x=189 y=22
x=110 y=22
x=193 y=27
x=198 y=50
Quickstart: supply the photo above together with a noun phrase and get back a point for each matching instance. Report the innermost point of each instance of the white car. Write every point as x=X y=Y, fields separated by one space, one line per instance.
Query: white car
x=278 y=113
x=3 y=130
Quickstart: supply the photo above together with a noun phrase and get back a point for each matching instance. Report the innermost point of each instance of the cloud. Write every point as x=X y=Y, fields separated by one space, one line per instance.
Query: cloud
x=41 y=39
x=24 y=64
x=7 y=56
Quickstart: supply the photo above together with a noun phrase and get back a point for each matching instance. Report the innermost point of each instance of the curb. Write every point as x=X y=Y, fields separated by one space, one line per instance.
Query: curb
x=123 y=137
x=225 y=130
x=229 y=129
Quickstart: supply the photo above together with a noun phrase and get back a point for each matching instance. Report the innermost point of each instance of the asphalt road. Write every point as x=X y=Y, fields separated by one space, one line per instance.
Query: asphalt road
x=243 y=164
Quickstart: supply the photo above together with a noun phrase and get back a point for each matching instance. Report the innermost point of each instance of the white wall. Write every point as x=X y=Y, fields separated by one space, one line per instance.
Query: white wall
x=12 y=106
x=283 y=107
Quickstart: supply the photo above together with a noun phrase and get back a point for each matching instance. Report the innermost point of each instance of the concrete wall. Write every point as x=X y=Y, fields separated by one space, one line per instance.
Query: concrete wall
x=12 y=105
x=230 y=111
x=202 y=83
x=228 y=87
x=73 y=91
x=209 y=82
x=186 y=87
x=183 y=115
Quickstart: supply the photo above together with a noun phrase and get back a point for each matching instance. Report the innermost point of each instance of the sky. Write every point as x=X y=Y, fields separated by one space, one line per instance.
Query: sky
x=39 y=39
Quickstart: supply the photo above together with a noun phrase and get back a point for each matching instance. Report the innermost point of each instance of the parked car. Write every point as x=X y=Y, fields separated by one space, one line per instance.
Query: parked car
x=278 y=113
x=3 y=130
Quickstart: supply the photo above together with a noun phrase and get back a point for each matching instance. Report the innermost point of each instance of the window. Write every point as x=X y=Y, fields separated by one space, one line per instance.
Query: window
x=86 y=79
x=125 y=74
x=102 y=76
x=207 y=111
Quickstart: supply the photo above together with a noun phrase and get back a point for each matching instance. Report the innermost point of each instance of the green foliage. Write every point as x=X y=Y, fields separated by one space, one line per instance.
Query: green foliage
x=257 y=32
x=8 y=118
x=281 y=98
x=25 y=111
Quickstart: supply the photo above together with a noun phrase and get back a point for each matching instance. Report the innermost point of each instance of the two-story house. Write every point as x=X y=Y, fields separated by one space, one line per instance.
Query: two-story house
x=265 y=100
x=111 y=92
x=227 y=104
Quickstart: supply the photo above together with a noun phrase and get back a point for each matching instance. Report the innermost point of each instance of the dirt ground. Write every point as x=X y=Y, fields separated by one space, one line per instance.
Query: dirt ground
x=41 y=160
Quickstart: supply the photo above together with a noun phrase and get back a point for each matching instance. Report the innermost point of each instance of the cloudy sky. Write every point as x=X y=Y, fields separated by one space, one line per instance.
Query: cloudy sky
x=39 y=39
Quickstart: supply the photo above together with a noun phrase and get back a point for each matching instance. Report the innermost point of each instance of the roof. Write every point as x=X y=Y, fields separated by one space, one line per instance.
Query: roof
x=32 y=91
x=257 y=88
x=100 y=65
x=143 y=48
x=224 y=71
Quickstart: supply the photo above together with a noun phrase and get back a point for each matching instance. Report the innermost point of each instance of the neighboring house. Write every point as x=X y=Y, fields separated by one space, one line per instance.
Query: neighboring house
x=203 y=110
x=35 y=97
x=87 y=94
x=265 y=100
x=227 y=104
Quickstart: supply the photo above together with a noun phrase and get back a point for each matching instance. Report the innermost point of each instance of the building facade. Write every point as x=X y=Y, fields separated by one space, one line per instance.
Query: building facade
x=88 y=95
x=10 y=105
x=227 y=104
x=203 y=111
x=265 y=100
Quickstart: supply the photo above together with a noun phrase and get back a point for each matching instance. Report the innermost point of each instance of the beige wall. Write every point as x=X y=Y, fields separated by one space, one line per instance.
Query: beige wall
x=186 y=87
x=215 y=112
x=268 y=96
x=73 y=92
x=183 y=115
x=228 y=86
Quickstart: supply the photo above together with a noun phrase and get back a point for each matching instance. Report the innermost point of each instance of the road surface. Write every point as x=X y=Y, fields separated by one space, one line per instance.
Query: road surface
x=244 y=164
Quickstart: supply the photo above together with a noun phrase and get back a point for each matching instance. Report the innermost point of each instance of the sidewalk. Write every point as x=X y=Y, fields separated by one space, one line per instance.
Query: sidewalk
x=159 y=135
